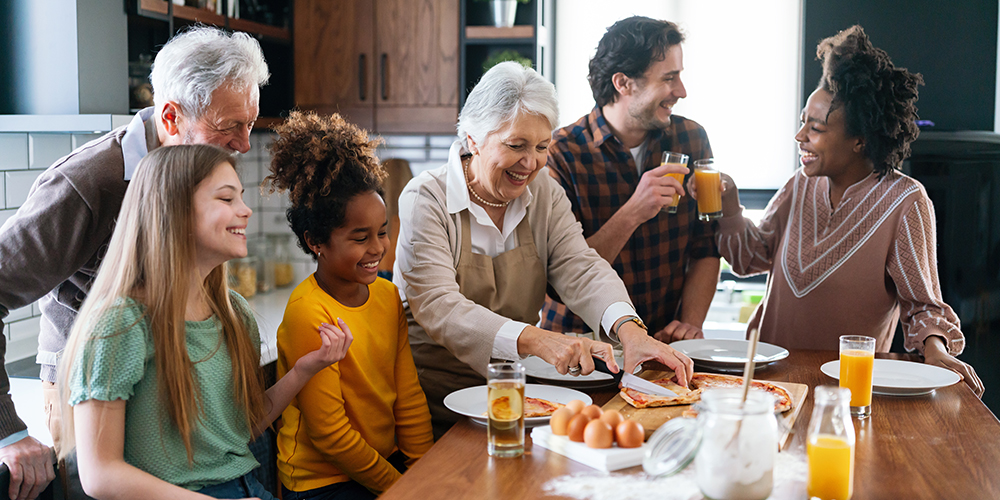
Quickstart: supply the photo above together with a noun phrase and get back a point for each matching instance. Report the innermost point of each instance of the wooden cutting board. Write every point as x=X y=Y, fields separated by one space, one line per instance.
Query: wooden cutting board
x=652 y=418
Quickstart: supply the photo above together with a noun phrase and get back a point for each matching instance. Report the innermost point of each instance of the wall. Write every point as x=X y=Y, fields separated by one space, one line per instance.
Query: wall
x=953 y=44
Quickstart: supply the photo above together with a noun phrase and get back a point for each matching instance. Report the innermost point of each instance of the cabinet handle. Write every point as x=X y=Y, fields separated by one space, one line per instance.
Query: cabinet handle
x=385 y=68
x=362 y=77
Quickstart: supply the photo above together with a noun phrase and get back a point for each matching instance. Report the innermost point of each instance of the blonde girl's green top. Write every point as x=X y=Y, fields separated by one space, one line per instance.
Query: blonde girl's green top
x=118 y=363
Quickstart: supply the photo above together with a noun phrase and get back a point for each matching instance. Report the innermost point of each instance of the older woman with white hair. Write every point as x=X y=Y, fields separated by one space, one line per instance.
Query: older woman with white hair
x=482 y=236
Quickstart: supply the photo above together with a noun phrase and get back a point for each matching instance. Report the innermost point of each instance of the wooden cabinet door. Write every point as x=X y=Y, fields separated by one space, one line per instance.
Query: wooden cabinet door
x=418 y=63
x=335 y=63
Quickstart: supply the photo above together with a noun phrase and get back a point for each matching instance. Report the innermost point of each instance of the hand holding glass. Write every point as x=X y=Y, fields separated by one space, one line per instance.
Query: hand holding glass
x=674 y=160
x=857 y=359
x=505 y=409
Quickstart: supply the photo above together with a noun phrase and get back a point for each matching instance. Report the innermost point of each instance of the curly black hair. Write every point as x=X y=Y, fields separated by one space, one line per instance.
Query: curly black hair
x=630 y=46
x=323 y=162
x=879 y=99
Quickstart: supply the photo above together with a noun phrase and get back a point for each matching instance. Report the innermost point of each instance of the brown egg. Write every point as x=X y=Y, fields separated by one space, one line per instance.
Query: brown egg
x=630 y=434
x=592 y=412
x=576 y=426
x=576 y=405
x=612 y=417
x=598 y=434
x=560 y=421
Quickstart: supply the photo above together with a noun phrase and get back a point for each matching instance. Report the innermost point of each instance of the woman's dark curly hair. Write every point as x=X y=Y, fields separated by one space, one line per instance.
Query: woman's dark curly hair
x=323 y=162
x=878 y=98
x=630 y=46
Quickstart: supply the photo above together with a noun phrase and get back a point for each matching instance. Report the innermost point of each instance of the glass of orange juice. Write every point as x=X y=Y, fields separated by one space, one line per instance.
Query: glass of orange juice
x=709 y=184
x=857 y=358
x=830 y=445
x=676 y=160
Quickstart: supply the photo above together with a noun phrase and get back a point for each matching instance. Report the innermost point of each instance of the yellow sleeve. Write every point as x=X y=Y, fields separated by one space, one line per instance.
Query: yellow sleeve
x=321 y=403
x=413 y=419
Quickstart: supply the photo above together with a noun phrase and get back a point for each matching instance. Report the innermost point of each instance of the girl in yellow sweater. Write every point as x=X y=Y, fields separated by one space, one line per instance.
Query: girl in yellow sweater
x=351 y=428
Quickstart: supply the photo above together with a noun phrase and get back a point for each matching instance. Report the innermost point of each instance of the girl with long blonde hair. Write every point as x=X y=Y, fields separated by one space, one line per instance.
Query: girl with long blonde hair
x=162 y=366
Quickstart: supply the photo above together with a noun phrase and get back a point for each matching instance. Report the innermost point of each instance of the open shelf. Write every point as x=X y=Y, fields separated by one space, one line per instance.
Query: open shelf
x=159 y=9
x=491 y=32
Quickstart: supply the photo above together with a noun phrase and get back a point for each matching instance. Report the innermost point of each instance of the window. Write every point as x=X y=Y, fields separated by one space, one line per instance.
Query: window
x=742 y=71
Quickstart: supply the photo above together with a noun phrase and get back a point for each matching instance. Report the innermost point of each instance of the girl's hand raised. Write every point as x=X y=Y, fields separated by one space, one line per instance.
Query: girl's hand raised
x=335 y=343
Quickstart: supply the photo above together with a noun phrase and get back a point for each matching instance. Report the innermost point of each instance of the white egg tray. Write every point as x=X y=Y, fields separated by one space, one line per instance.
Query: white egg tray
x=608 y=459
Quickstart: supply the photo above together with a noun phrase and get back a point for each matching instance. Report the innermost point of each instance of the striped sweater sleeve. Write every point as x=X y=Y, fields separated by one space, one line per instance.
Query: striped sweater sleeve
x=750 y=249
x=912 y=265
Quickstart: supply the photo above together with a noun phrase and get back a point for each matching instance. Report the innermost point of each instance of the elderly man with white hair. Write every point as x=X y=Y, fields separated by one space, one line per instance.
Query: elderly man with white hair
x=206 y=88
x=482 y=236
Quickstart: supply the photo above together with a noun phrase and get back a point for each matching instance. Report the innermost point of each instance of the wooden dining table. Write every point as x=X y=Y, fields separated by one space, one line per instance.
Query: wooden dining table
x=943 y=445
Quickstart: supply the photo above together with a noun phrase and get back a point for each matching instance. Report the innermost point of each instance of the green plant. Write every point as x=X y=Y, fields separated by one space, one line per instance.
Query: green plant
x=499 y=56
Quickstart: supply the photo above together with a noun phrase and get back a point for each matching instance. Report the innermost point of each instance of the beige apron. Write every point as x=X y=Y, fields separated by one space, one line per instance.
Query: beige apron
x=511 y=284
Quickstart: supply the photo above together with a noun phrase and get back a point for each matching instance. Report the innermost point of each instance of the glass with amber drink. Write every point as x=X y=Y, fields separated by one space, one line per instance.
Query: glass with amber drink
x=857 y=360
x=709 y=184
x=676 y=160
x=505 y=403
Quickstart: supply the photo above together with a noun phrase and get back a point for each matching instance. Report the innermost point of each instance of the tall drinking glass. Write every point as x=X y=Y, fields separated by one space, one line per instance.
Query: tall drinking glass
x=709 y=184
x=676 y=160
x=505 y=401
x=857 y=359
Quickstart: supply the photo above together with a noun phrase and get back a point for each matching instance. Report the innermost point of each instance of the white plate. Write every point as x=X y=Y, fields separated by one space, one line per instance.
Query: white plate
x=537 y=368
x=893 y=377
x=471 y=401
x=725 y=354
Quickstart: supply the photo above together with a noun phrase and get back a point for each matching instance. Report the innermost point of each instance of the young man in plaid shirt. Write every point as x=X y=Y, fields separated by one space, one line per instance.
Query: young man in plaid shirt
x=608 y=162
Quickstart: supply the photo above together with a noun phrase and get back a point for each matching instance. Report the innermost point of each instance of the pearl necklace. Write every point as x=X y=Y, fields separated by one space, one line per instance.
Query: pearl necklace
x=465 y=165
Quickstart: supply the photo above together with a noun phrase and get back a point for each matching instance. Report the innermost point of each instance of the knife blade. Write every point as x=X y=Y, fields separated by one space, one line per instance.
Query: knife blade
x=643 y=385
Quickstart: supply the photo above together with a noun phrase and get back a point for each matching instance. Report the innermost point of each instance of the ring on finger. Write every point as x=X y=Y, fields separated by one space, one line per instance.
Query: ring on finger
x=574 y=370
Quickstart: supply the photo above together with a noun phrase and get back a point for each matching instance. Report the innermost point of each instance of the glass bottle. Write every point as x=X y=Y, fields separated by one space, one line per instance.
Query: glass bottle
x=830 y=445
x=284 y=274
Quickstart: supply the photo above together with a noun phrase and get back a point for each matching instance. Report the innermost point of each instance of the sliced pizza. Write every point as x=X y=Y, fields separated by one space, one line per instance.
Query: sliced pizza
x=533 y=407
x=700 y=382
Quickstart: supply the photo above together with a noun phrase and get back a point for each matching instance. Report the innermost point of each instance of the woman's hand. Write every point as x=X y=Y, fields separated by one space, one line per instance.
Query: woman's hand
x=730 y=194
x=335 y=343
x=565 y=351
x=640 y=347
x=935 y=353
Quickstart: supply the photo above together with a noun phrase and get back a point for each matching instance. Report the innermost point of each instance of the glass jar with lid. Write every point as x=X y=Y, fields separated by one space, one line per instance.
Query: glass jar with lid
x=732 y=443
x=243 y=276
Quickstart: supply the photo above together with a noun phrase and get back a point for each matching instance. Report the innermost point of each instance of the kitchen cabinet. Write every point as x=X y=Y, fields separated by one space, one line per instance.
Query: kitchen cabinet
x=390 y=66
x=531 y=38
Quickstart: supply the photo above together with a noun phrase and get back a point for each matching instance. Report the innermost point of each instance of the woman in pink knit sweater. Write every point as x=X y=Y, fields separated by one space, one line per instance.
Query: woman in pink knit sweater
x=849 y=241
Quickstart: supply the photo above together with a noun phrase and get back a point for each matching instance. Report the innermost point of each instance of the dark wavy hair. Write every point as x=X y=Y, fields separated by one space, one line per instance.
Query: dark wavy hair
x=630 y=46
x=879 y=99
x=323 y=162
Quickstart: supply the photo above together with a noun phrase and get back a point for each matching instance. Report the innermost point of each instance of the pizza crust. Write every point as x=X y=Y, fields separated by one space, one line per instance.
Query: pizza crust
x=700 y=382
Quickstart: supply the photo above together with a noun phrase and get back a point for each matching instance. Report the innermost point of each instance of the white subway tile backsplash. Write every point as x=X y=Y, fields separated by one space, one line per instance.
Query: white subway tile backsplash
x=26 y=328
x=438 y=154
x=6 y=214
x=18 y=314
x=81 y=139
x=251 y=195
x=18 y=184
x=272 y=200
x=21 y=348
x=418 y=167
x=412 y=154
x=35 y=310
x=442 y=141
x=3 y=197
x=15 y=151
x=274 y=222
x=405 y=141
x=45 y=149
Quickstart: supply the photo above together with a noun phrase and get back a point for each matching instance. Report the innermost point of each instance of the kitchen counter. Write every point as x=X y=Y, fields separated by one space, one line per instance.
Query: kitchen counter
x=269 y=308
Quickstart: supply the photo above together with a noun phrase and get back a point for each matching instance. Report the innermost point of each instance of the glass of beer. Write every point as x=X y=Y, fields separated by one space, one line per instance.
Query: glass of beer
x=709 y=184
x=857 y=358
x=505 y=401
x=676 y=160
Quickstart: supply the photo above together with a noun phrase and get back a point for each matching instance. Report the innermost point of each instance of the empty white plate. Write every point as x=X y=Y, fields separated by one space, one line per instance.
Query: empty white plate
x=537 y=368
x=728 y=355
x=893 y=377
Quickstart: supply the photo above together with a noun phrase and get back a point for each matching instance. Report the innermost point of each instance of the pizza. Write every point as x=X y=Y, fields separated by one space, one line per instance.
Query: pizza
x=533 y=407
x=700 y=382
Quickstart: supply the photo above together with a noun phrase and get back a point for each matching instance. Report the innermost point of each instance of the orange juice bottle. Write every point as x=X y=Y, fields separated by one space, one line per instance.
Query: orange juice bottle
x=856 y=375
x=830 y=445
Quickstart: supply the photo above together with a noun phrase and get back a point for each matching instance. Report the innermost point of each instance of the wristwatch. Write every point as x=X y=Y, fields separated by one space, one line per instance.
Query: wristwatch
x=633 y=319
